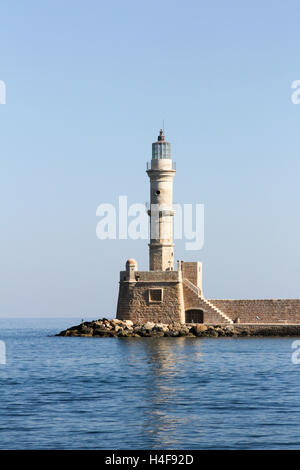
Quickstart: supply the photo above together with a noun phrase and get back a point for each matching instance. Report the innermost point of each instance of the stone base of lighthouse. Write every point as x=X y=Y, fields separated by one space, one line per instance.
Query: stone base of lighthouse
x=158 y=296
x=176 y=296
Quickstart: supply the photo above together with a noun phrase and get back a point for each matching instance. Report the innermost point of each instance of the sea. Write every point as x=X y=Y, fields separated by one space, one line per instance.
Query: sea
x=145 y=393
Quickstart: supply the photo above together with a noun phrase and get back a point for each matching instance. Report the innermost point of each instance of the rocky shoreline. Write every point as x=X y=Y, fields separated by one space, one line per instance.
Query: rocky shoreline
x=125 y=329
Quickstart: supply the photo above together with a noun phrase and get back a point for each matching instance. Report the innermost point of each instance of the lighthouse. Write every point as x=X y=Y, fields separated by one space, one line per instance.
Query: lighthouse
x=161 y=172
x=163 y=294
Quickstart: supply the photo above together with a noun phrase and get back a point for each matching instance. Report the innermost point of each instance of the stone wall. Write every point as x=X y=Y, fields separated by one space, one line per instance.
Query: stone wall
x=279 y=311
x=261 y=311
x=134 y=304
x=158 y=276
x=151 y=276
x=193 y=272
x=192 y=301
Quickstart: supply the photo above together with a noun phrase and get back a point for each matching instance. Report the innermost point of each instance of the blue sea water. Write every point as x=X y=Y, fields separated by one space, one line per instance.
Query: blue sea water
x=129 y=393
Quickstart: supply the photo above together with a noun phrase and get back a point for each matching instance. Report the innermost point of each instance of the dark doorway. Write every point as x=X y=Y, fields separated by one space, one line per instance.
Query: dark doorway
x=194 y=316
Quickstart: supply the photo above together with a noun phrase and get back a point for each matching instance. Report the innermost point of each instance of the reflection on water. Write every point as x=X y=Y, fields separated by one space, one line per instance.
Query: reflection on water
x=164 y=360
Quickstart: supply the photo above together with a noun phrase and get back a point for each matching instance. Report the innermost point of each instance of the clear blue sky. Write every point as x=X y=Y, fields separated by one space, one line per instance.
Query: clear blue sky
x=88 y=84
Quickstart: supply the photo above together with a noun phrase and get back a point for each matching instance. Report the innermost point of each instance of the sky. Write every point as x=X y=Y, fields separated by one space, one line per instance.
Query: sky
x=88 y=85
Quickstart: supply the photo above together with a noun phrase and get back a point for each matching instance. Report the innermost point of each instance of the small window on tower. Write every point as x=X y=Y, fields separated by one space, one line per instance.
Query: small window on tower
x=155 y=295
x=157 y=192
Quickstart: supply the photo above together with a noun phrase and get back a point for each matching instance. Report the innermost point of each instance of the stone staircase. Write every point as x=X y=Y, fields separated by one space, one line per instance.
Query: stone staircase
x=197 y=291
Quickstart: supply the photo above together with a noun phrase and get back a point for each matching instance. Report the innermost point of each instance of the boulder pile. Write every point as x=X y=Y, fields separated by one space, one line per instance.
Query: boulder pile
x=126 y=328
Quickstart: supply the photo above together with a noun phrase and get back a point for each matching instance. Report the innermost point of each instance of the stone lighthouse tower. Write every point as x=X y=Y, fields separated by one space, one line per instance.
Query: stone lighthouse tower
x=161 y=172
x=162 y=294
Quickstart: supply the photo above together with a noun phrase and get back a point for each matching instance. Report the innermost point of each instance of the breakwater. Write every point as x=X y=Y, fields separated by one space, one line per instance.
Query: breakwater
x=126 y=328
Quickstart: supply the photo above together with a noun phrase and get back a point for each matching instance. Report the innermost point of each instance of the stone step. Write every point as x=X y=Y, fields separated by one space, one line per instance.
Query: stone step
x=197 y=291
x=217 y=310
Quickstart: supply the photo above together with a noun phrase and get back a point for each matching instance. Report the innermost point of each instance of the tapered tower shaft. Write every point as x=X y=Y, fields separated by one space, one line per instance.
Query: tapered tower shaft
x=161 y=174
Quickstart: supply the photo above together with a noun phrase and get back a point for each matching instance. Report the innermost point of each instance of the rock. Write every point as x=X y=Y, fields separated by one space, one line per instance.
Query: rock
x=87 y=330
x=117 y=328
x=183 y=331
x=101 y=332
x=212 y=332
x=123 y=334
x=145 y=333
x=167 y=334
x=148 y=326
x=128 y=328
x=160 y=327
x=157 y=333
x=220 y=332
x=228 y=330
x=174 y=333
x=72 y=332
x=198 y=329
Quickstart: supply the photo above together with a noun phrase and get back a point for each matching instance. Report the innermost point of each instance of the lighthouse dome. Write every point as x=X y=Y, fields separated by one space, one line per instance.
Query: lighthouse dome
x=131 y=262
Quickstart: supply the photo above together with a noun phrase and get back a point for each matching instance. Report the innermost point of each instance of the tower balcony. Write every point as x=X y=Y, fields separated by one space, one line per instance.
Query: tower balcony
x=168 y=164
